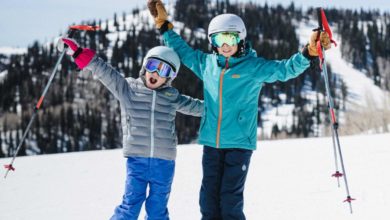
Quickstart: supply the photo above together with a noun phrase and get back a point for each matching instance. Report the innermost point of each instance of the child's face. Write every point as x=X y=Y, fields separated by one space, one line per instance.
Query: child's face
x=227 y=51
x=153 y=80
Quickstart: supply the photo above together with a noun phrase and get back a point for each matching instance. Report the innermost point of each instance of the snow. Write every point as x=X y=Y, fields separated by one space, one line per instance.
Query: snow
x=12 y=50
x=288 y=179
x=280 y=115
x=88 y=185
x=3 y=75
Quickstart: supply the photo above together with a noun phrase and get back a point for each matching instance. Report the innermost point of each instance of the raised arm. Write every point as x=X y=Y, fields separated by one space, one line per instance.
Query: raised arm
x=280 y=70
x=85 y=58
x=193 y=59
x=109 y=77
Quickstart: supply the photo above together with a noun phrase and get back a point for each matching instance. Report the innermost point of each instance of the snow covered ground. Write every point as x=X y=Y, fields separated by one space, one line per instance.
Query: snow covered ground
x=288 y=180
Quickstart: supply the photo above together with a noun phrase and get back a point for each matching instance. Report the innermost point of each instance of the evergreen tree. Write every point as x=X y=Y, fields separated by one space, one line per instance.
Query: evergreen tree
x=1 y=145
x=116 y=24
x=271 y=31
x=22 y=151
x=110 y=134
x=11 y=147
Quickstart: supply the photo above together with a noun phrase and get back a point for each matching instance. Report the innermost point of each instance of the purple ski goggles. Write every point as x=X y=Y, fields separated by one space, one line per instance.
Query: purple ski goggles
x=163 y=69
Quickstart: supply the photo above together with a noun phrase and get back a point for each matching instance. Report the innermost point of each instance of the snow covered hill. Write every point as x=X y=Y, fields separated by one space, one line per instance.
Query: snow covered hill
x=12 y=50
x=288 y=180
x=5 y=53
x=360 y=87
x=363 y=94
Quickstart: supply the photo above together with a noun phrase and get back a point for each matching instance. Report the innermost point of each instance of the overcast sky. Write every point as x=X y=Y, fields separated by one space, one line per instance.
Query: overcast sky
x=23 y=21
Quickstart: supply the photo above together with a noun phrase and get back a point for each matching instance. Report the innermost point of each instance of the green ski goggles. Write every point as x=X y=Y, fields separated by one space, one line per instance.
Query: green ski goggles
x=229 y=38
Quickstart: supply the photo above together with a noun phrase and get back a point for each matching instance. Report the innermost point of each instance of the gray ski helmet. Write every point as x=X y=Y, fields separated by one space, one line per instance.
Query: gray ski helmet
x=165 y=54
x=227 y=23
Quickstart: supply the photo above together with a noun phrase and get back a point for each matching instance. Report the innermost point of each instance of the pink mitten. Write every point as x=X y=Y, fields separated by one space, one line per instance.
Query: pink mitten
x=81 y=56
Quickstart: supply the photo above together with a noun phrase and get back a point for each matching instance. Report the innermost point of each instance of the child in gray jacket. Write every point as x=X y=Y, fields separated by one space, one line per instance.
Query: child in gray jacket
x=148 y=109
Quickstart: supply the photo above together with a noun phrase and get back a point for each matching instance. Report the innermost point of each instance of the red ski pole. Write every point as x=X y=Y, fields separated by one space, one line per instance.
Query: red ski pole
x=71 y=32
x=324 y=26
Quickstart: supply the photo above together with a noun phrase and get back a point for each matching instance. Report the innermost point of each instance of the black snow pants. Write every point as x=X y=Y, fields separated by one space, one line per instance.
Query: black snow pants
x=222 y=190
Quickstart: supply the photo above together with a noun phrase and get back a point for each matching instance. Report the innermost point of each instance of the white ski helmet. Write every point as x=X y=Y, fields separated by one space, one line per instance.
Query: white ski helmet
x=227 y=23
x=165 y=54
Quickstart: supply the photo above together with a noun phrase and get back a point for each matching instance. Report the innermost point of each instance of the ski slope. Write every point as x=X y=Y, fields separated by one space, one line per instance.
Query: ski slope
x=287 y=180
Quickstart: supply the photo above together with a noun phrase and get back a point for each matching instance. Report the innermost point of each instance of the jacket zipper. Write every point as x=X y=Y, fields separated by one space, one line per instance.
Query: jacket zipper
x=220 y=101
x=152 y=124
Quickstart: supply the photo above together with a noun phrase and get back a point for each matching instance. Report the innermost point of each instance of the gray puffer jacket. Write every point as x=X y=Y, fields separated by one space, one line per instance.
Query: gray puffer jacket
x=148 y=116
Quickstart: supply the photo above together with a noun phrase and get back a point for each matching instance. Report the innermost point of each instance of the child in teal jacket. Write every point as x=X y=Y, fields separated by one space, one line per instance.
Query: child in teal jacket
x=232 y=79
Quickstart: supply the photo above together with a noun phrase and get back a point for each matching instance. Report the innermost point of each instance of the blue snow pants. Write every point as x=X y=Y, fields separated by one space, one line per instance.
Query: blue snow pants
x=222 y=191
x=141 y=172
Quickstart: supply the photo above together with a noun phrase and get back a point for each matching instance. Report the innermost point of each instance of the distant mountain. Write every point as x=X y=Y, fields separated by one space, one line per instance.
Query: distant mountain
x=80 y=114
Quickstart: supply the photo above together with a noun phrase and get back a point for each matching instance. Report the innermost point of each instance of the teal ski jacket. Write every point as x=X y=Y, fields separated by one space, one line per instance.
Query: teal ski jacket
x=231 y=90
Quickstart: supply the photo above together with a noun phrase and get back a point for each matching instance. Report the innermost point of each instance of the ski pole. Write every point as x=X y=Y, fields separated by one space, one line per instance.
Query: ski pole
x=71 y=32
x=324 y=26
x=337 y=173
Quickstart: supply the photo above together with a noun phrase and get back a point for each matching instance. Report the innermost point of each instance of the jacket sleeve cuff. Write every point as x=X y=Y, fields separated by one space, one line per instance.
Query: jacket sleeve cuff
x=165 y=27
x=305 y=53
x=92 y=65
